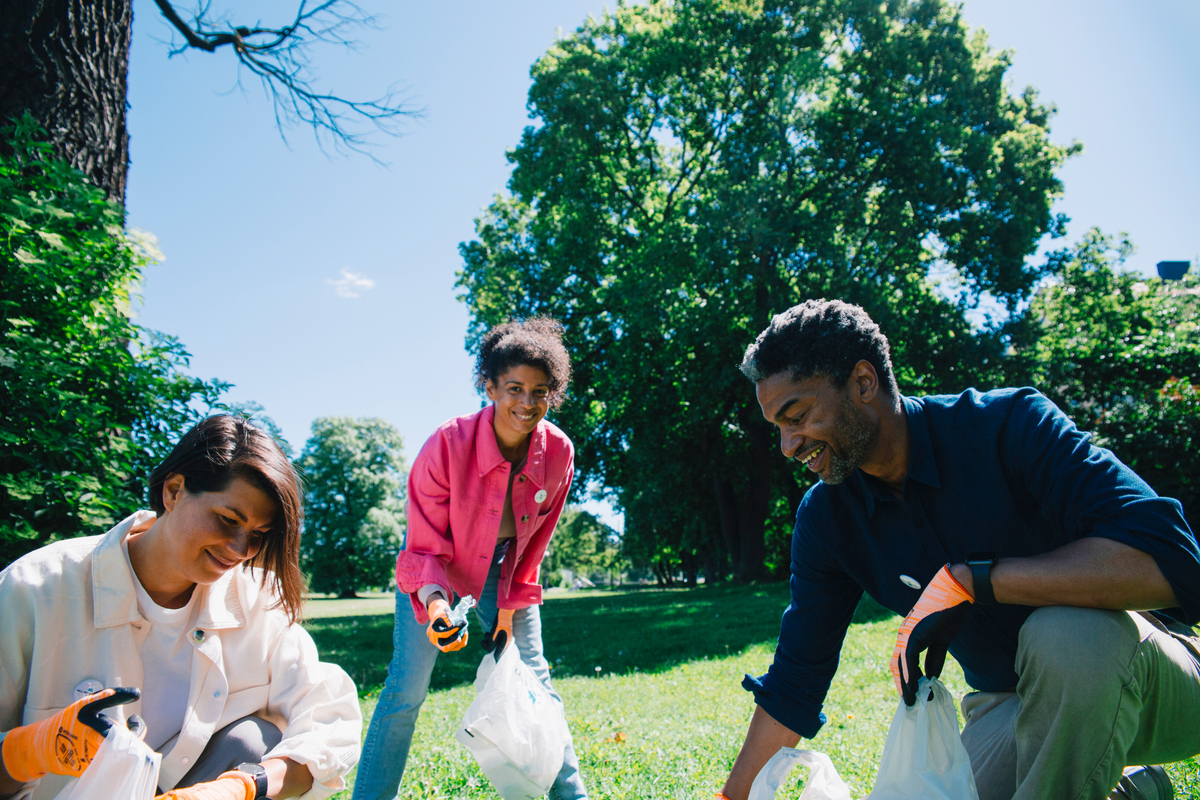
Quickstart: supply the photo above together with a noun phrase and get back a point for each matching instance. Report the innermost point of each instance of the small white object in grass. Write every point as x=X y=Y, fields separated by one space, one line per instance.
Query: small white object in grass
x=597 y=671
x=458 y=614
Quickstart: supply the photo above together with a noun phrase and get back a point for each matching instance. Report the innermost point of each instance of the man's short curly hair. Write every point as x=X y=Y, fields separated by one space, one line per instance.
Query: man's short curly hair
x=820 y=337
x=535 y=342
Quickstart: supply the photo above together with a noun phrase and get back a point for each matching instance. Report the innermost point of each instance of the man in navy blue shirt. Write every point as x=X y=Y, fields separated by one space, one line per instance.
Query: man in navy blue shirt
x=1008 y=540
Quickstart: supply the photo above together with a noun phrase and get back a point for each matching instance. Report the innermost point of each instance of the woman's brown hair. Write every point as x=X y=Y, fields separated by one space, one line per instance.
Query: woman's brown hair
x=217 y=450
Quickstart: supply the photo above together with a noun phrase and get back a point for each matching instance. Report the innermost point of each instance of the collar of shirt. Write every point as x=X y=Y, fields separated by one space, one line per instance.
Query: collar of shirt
x=487 y=452
x=115 y=601
x=921 y=465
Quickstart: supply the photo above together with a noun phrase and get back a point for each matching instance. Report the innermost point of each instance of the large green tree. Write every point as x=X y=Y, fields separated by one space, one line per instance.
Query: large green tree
x=697 y=166
x=354 y=476
x=1120 y=353
x=89 y=401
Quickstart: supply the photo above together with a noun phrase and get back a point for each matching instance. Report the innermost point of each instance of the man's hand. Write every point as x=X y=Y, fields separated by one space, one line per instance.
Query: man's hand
x=62 y=744
x=501 y=632
x=228 y=786
x=445 y=636
x=931 y=625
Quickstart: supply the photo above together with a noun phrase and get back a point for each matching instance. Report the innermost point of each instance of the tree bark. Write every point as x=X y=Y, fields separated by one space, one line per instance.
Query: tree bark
x=755 y=505
x=66 y=62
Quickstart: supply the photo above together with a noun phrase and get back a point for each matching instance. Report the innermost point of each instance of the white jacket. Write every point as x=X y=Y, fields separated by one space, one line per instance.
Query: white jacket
x=68 y=614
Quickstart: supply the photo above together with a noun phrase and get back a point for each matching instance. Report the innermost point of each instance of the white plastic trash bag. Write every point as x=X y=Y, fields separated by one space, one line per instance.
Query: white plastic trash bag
x=924 y=756
x=124 y=768
x=823 y=782
x=514 y=727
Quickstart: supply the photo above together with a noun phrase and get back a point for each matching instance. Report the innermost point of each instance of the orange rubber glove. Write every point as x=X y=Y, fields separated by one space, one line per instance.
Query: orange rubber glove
x=62 y=744
x=444 y=635
x=500 y=634
x=228 y=786
x=931 y=625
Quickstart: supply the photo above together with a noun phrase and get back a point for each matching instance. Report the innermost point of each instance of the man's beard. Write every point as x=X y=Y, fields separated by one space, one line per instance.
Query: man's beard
x=857 y=437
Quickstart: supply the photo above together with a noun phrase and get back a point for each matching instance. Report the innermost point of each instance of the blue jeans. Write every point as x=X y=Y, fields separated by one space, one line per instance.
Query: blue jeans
x=390 y=733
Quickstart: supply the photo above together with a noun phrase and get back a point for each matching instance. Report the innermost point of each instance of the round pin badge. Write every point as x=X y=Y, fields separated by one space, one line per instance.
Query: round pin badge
x=911 y=583
x=540 y=497
x=88 y=687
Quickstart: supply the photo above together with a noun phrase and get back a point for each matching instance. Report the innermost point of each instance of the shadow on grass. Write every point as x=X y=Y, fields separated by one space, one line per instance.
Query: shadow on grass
x=647 y=630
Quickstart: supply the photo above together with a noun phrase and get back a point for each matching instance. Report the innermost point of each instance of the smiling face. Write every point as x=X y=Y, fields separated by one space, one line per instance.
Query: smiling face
x=200 y=537
x=522 y=398
x=820 y=425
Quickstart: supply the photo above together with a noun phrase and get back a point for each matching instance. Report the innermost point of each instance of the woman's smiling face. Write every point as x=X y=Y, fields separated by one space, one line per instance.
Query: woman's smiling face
x=522 y=398
x=210 y=533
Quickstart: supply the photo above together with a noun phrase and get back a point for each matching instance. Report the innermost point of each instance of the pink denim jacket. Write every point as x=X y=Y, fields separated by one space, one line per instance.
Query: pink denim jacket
x=456 y=492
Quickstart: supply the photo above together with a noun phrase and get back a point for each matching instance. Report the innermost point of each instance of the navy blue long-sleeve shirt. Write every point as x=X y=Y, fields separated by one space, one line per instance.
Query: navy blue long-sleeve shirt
x=1002 y=472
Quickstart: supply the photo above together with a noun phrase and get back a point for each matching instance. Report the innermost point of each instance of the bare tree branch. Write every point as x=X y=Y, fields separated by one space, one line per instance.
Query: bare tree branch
x=279 y=57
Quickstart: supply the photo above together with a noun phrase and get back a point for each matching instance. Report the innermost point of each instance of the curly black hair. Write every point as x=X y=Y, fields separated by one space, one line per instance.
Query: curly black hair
x=820 y=337
x=535 y=342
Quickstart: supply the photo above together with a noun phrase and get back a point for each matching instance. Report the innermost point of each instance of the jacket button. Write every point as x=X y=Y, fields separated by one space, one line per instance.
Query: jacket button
x=524 y=518
x=540 y=497
x=521 y=479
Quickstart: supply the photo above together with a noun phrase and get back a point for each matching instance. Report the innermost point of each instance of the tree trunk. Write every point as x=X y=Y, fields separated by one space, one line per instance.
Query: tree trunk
x=66 y=62
x=347 y=594
x=755 y=505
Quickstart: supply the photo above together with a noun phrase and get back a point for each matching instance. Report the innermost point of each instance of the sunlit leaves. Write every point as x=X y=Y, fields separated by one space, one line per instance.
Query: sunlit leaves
x=90 y=401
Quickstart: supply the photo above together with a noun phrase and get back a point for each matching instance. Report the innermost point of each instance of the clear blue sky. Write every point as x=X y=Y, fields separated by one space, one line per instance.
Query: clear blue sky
x=257 y=233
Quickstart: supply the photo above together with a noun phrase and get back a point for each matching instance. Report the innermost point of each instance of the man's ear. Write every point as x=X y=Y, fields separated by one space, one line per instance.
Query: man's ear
x=865 y=381
x=172 y=488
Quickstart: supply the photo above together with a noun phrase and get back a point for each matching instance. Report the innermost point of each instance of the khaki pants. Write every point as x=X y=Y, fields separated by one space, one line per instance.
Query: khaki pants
x=1097 y=691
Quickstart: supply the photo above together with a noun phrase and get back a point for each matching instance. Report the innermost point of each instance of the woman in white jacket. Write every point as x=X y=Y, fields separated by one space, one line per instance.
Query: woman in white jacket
x=196 y=604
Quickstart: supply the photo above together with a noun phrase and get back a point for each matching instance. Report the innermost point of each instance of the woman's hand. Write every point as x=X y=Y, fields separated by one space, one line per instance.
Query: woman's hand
x=62 y=744
x=501 y=632
x=445 y=636
x=227 y=786
x=285 y=778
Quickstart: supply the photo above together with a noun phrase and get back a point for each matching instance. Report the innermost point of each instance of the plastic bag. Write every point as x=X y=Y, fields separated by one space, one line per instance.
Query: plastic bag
x=514 y=727
x=458 y=614
x=124 y=768
x=823 y=782
x=924 y=756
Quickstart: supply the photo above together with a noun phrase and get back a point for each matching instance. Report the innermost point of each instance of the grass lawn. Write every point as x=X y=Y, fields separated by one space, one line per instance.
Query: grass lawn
x=651 y=682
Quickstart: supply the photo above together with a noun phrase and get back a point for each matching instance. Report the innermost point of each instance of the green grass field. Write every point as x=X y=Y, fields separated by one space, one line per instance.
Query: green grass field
x=651 y=682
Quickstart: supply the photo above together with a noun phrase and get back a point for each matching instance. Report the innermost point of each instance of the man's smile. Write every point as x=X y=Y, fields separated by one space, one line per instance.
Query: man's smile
x=810 y=459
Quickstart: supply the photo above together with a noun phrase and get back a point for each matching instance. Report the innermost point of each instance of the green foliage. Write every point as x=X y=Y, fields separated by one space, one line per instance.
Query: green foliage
x=585 y=546
x=698 y=166
x=355 y=475
x=1120 y=354
x=91 y=401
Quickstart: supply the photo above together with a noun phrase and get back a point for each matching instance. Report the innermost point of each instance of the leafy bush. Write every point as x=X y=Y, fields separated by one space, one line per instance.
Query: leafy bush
x=90 y=401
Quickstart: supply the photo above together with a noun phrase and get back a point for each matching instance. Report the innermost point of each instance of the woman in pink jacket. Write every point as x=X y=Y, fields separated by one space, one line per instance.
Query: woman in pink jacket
x=484 y=495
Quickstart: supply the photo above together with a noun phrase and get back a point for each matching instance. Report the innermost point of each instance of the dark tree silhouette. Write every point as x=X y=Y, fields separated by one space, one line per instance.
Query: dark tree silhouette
x=66 y=63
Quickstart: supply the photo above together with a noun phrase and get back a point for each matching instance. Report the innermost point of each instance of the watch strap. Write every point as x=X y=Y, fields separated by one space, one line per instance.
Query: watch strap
x=259 y=774
x=981 y=577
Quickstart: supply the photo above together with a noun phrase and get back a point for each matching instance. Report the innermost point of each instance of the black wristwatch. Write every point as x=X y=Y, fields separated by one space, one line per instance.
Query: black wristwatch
x=259 y=774
x=981 y=575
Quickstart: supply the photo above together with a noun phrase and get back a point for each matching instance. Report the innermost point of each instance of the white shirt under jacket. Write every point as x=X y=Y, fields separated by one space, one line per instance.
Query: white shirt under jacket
x=68 y=614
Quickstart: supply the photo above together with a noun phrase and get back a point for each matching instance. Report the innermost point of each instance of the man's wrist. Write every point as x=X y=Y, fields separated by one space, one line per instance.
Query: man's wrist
x=962 y=574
